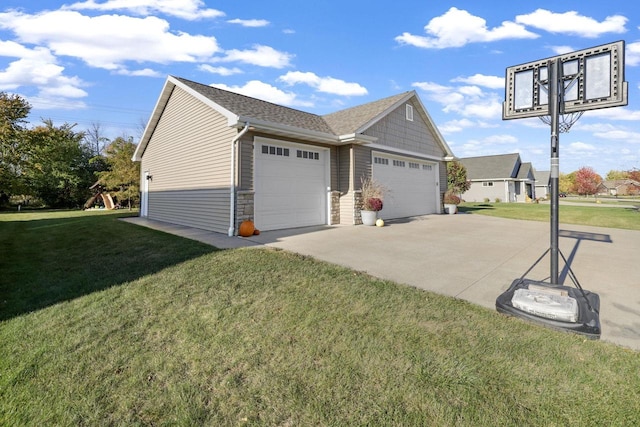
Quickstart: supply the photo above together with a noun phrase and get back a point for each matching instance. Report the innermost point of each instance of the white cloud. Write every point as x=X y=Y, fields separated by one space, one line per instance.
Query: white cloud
x=184 y=9
x=145 y=72
x=560 y=50
x=266 y=92
x=456 y=28
x=491 y=82
x=468 y=101
x=223 y=71
x=620 y=135
x=38 y=67
x=323 y=84
x=579 y=148
x=573 y=23
x=632 y=57
x=108 y=41
x=263 y=56
x=252 y=23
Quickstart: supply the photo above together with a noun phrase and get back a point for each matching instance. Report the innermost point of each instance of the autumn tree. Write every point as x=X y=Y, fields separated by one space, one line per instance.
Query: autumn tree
x=13 y=113
x=614 y=175
x=566 y=182
x=457 y=178
x=587 y=181
x=123 y=176
x=634 y=174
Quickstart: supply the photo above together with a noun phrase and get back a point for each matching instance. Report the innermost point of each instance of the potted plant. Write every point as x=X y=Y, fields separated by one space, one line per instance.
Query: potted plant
x=451 y=202
x=372 y=200
x=457 y=183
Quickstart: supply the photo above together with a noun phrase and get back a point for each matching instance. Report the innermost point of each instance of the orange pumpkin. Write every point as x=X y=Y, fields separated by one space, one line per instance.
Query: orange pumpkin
x=246 y=228
x=256 y=232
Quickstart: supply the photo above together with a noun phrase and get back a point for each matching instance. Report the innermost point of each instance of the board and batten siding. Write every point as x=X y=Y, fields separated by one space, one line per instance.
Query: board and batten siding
x=188 y=157
x=395 y=131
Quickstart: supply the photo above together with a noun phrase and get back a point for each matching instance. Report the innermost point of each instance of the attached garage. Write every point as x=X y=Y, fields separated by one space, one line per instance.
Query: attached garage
x=290 y=183
x=412 y=185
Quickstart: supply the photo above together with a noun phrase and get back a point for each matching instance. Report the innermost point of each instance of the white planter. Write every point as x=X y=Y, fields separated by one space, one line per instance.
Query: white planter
x=369 y=217
x=450 y=208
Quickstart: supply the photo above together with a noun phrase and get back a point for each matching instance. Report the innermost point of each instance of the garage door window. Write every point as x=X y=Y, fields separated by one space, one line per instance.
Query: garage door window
x=275 y=151
x=427 y=167
x=399 y=163
x=380 y=161
x=414 y=165
x=312 y=155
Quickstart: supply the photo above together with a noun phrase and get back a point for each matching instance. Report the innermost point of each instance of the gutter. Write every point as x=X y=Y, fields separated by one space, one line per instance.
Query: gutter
x=232 y=183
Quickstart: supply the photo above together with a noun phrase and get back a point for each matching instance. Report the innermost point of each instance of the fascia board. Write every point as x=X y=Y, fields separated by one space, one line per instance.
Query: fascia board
x=161 y=103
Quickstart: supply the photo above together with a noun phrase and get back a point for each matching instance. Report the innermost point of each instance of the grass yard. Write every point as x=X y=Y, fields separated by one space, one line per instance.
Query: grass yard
x=597 y=216
x=107 y=323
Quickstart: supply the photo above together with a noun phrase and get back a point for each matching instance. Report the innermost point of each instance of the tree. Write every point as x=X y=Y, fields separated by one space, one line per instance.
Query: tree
x=56 y=167
x=614 y=175
x=13 y=113
x=94 y=139
x=457 y=178
x=123 y=176
x=634 y=174
x=587 y=181
x=566 y=182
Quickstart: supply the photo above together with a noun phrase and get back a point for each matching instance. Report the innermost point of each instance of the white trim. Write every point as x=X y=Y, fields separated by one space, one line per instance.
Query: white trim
x=404 y=153
x=144 y=200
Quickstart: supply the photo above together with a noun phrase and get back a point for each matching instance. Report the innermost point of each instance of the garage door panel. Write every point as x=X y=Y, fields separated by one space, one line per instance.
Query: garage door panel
x=411 y=184
x=290 y=191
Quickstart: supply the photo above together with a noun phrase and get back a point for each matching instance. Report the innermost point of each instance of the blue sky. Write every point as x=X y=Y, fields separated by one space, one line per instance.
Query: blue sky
x=105 y=61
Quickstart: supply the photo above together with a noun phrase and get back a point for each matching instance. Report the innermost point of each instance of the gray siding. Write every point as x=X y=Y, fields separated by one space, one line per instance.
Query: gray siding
x=189 y=158
x=362 y=166
x=477 y=192
x=246 y=163
x=395 y=131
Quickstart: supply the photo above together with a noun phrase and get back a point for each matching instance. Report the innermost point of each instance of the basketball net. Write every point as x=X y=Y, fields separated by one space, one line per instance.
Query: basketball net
x=565 y=120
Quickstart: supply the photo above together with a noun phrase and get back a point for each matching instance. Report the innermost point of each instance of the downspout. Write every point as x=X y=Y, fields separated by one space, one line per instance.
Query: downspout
x=232 y=186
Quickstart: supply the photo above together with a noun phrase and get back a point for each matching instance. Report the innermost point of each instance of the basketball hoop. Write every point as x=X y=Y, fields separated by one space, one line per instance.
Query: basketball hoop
x=565 y=121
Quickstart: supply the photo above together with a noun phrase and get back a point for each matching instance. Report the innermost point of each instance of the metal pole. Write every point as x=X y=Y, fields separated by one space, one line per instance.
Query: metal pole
x=554 y=111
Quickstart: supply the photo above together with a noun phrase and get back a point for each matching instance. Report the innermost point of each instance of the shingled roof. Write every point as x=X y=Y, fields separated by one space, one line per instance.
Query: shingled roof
x=245 y=106
x=501 y=166
x=334 y=128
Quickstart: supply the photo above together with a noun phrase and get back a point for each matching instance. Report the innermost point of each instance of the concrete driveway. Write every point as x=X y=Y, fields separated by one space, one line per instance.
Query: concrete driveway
x=475 y=258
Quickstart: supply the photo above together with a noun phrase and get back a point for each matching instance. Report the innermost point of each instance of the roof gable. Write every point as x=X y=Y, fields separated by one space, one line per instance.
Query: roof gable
x=502 y=166
x=337 y=128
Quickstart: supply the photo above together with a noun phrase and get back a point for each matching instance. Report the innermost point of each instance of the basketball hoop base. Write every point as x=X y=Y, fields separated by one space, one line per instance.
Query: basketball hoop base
x=558 y=307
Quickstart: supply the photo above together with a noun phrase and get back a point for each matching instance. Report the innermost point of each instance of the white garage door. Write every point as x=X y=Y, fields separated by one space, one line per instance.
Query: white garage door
x=412 y=185
x=290 y=183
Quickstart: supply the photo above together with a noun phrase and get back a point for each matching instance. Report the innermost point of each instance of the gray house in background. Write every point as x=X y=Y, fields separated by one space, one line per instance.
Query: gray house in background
x=504 y=177
x=211 y=158
x=543 y=183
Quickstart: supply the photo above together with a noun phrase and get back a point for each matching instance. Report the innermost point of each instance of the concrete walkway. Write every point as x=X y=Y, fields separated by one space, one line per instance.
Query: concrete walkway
x=472 y=257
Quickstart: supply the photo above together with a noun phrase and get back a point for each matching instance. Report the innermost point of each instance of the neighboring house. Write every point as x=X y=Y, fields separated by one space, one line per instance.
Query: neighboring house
x=212 y=158
x=619 y=187
x=543 y=183
x=504 y=177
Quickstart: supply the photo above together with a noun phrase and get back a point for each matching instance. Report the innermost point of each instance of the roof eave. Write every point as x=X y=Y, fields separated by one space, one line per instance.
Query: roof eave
x=285 y=130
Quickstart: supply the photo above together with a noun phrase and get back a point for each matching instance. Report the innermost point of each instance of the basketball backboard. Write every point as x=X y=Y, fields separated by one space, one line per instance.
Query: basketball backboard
x=592 y=78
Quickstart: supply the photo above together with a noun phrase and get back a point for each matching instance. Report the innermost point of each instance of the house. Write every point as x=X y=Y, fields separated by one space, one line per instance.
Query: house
x=211 y=159
x=504 y=177
x=619 y=187
x=543 y=183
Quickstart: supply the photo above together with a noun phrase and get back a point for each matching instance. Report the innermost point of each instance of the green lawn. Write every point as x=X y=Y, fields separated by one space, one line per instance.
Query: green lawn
x=107 y=323
x=597 y=216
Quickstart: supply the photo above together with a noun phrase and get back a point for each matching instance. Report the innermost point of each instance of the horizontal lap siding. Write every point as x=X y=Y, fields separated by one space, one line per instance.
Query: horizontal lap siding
x=188 y=157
